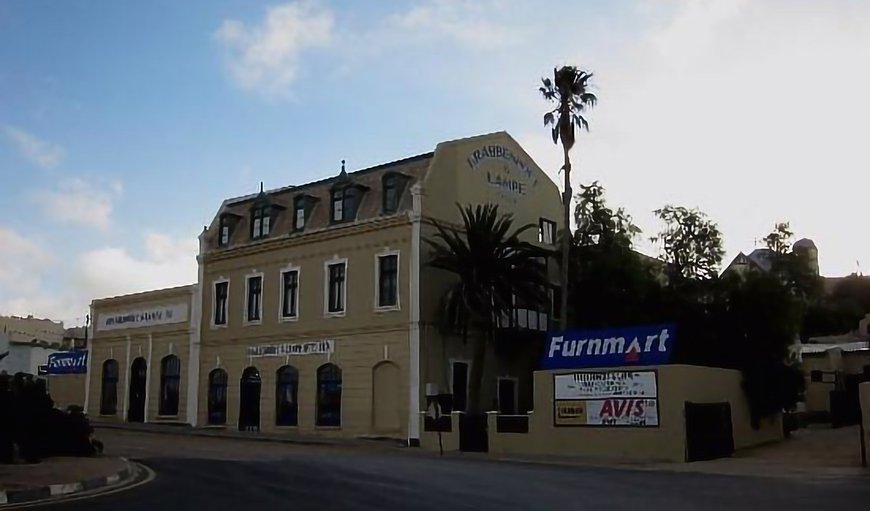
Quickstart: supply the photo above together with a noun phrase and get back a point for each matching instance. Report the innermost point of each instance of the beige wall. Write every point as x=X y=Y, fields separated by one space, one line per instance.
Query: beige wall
x=67 y=389
x=817 y=396
x=864 y=392
x=677 y=384
x=25 y=329
x=152 y=343
x=364 y=336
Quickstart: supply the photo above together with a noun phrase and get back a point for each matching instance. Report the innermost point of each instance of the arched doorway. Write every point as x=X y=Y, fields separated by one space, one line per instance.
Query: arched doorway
x=249 y=400
x=138 y=380
x=385 y=398
x=217 y=397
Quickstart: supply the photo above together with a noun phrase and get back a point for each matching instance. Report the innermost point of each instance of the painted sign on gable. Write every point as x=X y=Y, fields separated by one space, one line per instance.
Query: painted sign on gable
x=509 y=172
x=640 y=345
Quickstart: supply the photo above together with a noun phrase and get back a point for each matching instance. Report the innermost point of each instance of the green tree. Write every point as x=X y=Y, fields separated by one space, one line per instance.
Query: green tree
x=610 y=283
x=493 y=265
x=691 y=244
x=791 y=266
x=569 y=91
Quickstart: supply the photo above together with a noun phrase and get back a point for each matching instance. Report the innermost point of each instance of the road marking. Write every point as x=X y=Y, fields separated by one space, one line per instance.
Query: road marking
x=96 y=493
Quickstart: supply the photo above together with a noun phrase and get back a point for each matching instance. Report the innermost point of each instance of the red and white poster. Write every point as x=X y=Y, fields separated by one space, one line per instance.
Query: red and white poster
x=622 y=412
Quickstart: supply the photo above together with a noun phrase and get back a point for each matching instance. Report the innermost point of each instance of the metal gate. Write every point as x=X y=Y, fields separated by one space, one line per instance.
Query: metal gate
x=709 y=433
x=472 y=433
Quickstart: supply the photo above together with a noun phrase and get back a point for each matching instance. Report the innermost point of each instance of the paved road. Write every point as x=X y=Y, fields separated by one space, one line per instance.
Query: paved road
x=220 y=474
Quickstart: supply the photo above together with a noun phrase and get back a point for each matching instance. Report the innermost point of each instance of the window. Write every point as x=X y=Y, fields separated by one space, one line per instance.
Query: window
x=329 y=395
x=547 y=232
x=391 y=193
x=221 y=293
x=109 y=388
x=388 y=280
x=345 y=202
x=556 y=309
x=299 y=213
x=289 y=294
x=260 y=219
x=336 y=288
x=224 y=239
x=170 y=380
x=459 y=384
x=286 y=391
x=254 y=298
x=217 y=397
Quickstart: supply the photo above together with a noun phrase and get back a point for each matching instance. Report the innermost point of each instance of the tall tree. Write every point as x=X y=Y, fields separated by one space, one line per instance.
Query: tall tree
x=691 y=243
x=493 y=266
x=610 y=283
x=569 y=90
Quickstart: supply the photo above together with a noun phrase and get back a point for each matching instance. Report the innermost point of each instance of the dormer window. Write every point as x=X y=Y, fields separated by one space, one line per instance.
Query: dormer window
x=224 y=232
x=261 y=218
x=393 y=184
x=302 y=206
x=345 y=203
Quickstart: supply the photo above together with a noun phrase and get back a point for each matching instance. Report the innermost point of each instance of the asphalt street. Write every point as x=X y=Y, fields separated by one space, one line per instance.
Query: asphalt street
x=221 y=474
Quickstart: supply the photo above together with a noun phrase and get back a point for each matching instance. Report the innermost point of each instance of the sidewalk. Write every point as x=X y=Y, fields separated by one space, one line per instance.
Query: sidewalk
x=60 y=476
x=286 y=438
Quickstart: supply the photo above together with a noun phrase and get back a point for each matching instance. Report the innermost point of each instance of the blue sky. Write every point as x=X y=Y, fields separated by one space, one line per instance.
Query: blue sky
x=124 y=124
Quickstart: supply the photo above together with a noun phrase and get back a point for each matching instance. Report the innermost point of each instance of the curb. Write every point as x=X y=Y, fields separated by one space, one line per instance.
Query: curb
x=220 y=433
x=58 y=490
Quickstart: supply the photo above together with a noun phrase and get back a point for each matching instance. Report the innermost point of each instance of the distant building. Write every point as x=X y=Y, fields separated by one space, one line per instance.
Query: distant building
x=761 y=259
x=28 y=341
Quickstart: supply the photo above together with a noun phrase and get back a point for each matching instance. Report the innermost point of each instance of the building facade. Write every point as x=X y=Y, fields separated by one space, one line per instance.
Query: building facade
x=314 y=309
x=27 y=342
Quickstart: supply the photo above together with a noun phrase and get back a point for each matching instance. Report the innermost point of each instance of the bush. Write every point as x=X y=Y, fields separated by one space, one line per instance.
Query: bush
x=30 y=425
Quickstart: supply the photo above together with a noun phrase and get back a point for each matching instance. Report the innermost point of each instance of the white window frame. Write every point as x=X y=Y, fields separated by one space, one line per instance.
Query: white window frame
x=326 y=264
x=290 y=267
x=248 y=278
x=467 y=378
x=299 y=208
x=398 y=306
x=516 y=392
x=219 y=280
x=542 y=234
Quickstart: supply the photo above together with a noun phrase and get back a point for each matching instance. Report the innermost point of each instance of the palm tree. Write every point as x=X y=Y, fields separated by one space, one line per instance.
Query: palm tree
x=569 y=91
x=493 y=265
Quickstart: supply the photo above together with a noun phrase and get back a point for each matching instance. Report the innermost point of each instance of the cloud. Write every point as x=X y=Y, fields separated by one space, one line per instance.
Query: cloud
x=38 y=152
x=166 y=261
x=161 y=261
x=23 y=260
x=471 y=24
x=78 y=202
x=753 y=111
x=265 y=58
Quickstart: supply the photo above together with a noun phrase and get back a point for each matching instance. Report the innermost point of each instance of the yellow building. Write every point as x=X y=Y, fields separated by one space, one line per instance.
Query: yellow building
x=314 y=310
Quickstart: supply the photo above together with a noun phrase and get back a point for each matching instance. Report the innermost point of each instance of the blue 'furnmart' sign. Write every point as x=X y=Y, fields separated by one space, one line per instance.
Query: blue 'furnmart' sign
x=638 y=345
x=68 y=362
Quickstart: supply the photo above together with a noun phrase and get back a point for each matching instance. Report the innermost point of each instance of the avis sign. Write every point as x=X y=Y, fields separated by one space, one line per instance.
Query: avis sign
x=629 y=346
x=612 y=398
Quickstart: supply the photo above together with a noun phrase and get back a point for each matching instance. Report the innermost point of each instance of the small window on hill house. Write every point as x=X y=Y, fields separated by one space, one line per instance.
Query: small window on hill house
x=547 y=232
x=260 y=222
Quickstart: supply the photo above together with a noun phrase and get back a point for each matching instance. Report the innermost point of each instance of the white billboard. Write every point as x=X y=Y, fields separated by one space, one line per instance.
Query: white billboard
x=138 y=318
x=606 y=384
x=606 y=398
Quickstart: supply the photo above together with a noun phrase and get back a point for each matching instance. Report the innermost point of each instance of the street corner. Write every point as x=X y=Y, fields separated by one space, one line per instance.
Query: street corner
x=67 y=478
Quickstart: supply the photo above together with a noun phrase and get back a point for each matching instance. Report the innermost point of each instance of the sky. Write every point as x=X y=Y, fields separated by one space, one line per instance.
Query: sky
x=123 y=125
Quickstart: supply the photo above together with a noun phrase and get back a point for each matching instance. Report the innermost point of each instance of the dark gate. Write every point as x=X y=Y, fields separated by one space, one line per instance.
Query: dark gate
x=138 y=380
x=249 y=400
x=472 y=433
x=708 y=431
x=845 y=403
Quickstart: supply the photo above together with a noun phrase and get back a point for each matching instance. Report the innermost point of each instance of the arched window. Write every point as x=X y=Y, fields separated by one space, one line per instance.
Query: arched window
x=329 y=395
x=109 y=388
x=286 y=390
x=217 y=397
x=170 y=380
